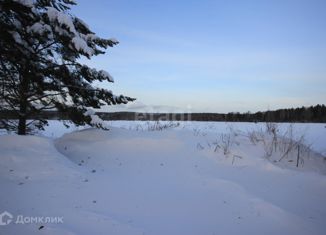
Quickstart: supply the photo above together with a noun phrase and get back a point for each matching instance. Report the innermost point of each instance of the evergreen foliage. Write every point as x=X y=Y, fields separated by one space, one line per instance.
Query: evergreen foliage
x=41 y=43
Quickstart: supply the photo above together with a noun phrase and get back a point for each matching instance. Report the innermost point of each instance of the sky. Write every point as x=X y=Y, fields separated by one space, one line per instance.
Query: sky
x=211 y=55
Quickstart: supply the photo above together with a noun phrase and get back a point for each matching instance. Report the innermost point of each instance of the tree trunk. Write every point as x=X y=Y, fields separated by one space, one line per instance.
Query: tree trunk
x=23 y=107
x=22 y=125
x=22 y=117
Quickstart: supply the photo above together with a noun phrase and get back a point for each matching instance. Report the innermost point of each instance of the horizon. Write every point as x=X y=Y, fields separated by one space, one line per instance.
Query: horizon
x=211 y=56
x=235 y=112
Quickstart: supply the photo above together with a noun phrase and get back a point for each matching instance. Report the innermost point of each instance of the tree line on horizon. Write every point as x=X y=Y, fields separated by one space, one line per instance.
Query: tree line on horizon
x=316 y=114
x=313 y=114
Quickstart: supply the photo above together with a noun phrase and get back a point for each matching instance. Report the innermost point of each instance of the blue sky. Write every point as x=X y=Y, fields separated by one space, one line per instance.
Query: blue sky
x=212 y=56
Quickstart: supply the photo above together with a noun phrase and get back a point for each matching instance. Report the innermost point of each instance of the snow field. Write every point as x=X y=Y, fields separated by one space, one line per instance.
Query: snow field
x=125 y=181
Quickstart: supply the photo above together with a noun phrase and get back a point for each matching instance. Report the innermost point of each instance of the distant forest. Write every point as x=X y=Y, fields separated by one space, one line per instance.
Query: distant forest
x=316 y=114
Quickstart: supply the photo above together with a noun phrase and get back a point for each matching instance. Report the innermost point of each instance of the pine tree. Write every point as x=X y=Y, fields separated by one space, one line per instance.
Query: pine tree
x=41 y=43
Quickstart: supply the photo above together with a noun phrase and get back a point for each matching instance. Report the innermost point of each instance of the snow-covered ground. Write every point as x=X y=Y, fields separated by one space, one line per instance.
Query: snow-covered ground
x=314 y=133
x=197 y=178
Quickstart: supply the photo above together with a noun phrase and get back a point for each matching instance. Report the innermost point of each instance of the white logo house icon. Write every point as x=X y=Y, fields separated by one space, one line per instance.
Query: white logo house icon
x=5 y=218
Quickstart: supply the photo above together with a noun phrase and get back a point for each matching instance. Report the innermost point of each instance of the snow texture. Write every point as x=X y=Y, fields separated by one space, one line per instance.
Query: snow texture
x=52 y=13
x=62 y=18
x=17 y=23
x=83 y=23
x=27 y=3
x=90 y=37
x=17 y=37
x=114 y=40
x=81 y=45
x=39 y=28
x=89 y=112
x=65 y=20
x=106 y=76
x=66 y=27
x=95 y=119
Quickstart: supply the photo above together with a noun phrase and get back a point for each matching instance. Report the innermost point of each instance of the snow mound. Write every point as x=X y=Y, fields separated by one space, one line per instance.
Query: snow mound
x=33 y=157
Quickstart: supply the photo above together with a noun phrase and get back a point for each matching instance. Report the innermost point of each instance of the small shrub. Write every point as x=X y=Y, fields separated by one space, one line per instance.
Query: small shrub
x=159 y=126
x=226 y=141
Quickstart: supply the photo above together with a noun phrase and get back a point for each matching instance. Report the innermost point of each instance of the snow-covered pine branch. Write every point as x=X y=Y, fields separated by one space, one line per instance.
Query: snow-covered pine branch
x=40 y=47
